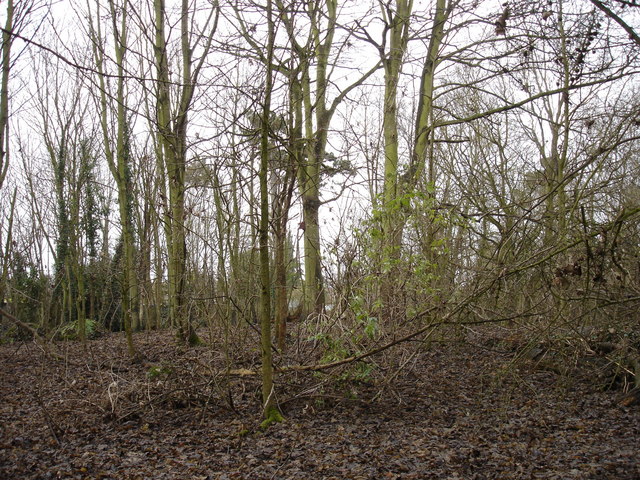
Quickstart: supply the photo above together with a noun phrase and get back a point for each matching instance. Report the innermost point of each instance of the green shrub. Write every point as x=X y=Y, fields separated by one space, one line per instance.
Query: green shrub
x=70 y=330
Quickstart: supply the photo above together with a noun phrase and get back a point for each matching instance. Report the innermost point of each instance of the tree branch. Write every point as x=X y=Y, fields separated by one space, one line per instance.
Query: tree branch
x=611 y=14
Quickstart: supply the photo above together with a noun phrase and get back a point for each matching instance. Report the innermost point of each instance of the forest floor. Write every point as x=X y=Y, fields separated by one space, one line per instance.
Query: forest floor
x=454 y=411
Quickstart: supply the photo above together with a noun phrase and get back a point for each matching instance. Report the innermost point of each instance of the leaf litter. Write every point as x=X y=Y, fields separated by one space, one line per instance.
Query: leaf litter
x=457 y=413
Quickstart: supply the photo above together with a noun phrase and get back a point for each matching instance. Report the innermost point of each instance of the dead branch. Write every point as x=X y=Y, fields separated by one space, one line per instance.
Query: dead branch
x=354 y=358
x=21 y=324
x=37 y=337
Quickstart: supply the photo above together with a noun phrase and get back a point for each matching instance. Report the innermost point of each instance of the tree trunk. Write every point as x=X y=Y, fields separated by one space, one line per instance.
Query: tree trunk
x=7 y=41
x=172 y=153
x=120 y=165
x=270 y=410
x=392 y=207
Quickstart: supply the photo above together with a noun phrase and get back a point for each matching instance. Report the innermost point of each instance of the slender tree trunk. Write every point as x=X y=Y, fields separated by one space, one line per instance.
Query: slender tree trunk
x=391 y=205
x=7 y=41
x=555 y=162
x=158 y=290
x=144 y=266
x=172 y=152
x=270 y=410
x=309 y=170
x=58 y=157
x=395 y=188
x=76 y=269
x=424 y=115
x=422 y=159
x=120 y=165
x=310 y=97
x=4 y=274
x=281 y=218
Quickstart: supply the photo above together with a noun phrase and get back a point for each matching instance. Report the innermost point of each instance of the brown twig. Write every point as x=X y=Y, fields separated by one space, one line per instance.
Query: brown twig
x=48 y=420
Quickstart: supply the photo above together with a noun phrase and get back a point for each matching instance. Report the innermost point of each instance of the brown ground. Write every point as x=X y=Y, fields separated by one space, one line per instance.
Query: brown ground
x=457 y=413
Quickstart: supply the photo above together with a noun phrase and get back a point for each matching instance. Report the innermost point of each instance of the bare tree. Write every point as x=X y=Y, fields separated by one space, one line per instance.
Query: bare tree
x=172 y=123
